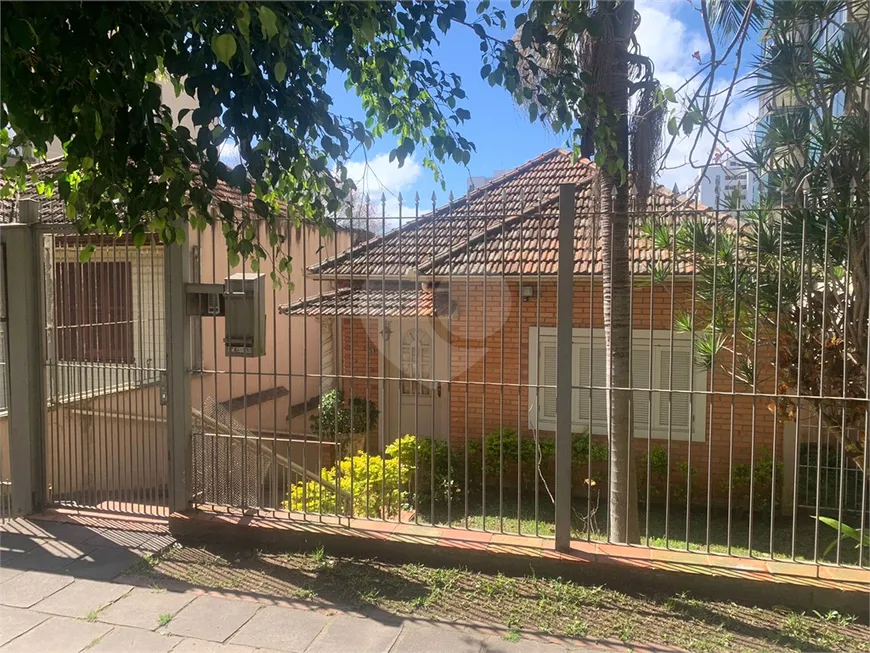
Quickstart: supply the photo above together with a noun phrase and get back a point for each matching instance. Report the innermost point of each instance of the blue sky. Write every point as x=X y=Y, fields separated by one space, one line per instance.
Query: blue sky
x=670 y=32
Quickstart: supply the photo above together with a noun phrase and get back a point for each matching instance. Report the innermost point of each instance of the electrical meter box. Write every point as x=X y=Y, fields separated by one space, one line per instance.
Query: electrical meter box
x=245 y=317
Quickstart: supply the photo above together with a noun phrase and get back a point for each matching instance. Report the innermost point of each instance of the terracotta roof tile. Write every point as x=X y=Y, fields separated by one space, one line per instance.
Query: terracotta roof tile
x=375 y=302
x=52 y=210
x=509 y=226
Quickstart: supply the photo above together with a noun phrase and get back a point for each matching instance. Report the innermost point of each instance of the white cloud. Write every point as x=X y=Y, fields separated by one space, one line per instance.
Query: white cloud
x=379 y=177
x=670 y=42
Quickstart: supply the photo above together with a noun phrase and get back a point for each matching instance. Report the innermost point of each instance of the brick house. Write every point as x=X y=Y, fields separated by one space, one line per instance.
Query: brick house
x=449 y=325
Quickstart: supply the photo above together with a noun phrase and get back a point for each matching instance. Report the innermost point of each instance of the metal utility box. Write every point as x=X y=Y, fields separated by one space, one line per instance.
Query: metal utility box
x=245 y=306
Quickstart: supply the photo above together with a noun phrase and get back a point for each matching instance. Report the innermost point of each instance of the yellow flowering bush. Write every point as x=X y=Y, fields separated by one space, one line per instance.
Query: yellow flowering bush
x=377 y=486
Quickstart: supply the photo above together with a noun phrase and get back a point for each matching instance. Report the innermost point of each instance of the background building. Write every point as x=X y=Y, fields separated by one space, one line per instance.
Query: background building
x=730 y=176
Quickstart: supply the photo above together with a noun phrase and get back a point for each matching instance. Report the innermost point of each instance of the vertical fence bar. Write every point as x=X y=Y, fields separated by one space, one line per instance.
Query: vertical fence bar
x=26 y=401
x=564 y=362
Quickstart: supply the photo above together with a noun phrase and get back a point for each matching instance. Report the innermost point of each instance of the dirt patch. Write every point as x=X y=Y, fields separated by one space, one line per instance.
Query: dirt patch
x=529 y=603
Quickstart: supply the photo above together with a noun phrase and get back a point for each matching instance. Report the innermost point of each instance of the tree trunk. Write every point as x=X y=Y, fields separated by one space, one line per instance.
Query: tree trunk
x=614 y=194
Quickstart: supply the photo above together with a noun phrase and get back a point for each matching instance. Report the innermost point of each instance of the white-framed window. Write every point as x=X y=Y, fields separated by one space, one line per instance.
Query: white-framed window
x=656 y=409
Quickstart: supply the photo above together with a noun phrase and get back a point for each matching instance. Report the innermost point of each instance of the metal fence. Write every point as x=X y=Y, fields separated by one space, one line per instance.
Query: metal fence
x=5 y=470
x=420 y=375
x=447 y=366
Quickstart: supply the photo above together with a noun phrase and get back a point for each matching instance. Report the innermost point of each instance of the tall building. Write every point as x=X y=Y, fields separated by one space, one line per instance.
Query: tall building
x=477 y=182
x=730 y=177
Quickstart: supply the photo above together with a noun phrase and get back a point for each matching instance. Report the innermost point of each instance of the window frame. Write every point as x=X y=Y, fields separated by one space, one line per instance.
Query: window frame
x=584 y=337
x=94 y=330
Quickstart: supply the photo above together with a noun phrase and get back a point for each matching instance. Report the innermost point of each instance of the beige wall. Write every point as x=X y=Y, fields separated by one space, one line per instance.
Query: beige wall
x=109 y=444
x=292 y=344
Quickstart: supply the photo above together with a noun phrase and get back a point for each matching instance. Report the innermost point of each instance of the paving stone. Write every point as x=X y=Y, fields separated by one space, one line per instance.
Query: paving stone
x=81 y=598
x=31 y=587
x=208 y=617
x=500 y=645
x=189 y=645
x=12 y=544
x=16 y=621
x=157 y=543
x=58 y=635
x=419 y=638
x=49 y=556
x=142 y=607
x=6 y=573
x=345 y=633
x=47 y=530
x=114 y=538
x=282 y=629
x=102 y=563
x=133 y=640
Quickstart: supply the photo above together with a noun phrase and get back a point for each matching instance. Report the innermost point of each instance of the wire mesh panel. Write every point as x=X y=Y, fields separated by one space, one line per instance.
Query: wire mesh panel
x=104 y=363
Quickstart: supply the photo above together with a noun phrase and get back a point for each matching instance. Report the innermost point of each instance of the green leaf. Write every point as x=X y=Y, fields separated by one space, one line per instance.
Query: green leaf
x=244 y=20
x=670 y=95
x=280 y=71
x=86 y=253
x=139 y=238
x=673 y=127
x=98 y=126
x=224 y=47
x=268 y=22
x=533 y=112
x=519 y=20
x=485 y=70
x=688 y=125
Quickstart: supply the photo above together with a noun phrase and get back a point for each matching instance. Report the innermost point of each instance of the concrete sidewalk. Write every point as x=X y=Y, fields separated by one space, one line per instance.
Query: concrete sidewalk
x=62 y=589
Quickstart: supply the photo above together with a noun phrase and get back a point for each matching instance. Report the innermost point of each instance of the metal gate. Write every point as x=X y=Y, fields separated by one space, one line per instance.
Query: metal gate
x=82 y=366
x=105 y=360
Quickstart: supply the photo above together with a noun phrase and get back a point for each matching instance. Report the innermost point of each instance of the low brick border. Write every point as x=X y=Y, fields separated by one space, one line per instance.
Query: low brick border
x=796 y=585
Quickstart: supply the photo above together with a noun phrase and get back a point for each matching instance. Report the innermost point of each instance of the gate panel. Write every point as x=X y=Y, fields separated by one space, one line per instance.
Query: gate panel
x=106 y=437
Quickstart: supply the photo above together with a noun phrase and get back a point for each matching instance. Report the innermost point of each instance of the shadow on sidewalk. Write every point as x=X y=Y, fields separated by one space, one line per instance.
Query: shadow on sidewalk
x=75 y=550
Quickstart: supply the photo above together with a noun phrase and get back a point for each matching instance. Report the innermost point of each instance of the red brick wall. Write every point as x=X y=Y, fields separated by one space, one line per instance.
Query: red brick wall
x=359 y=358
x=490 y=347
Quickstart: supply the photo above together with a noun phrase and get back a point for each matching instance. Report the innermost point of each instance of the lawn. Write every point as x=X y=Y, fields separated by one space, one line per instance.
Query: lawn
x=663 y=530
x=521 y=606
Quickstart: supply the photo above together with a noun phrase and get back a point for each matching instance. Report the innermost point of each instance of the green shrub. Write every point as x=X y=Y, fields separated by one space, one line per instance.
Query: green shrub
x=335 y=417
x=756 y=481
x=377 y=486
x=442 y=468
x=681 y=478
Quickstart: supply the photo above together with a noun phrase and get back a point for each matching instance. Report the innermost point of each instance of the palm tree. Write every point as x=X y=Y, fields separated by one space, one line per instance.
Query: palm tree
x=623 y=137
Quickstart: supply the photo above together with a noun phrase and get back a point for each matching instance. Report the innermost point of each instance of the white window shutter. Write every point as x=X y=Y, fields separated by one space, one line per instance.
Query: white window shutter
x=581 y=362
x=640 y=399
x=547 y=376
x=599 y=378
x=678 y=402
x=598 y=401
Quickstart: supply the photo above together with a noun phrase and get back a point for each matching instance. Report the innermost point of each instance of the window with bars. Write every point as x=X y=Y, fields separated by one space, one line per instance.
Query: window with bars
x=94 y=312
x=659 y=405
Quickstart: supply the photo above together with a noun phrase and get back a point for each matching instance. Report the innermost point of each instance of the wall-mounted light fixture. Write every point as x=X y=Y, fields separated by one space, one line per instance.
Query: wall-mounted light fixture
x=528 y=292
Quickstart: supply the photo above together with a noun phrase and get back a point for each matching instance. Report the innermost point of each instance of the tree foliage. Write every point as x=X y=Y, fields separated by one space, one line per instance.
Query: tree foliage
x=88 y=75
x=786 y=283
